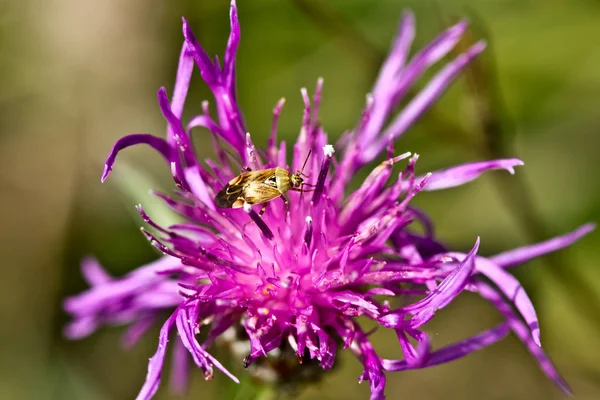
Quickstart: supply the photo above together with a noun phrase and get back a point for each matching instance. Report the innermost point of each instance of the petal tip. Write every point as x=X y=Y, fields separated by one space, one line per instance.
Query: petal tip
x=105 y=173
x=475 y=248
x=185 y=27
x=408 y=15
x=459 y=28
x=162 y=92
x=233 y=17
x=587 y=228
x=535 y=333
x=479 y=47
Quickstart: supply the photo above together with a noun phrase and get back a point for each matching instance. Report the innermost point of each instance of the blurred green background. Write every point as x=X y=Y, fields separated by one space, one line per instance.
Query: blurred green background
x=77 y=75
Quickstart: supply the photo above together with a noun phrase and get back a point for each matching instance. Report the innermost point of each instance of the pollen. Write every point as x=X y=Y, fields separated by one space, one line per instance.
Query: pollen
x=263 y=311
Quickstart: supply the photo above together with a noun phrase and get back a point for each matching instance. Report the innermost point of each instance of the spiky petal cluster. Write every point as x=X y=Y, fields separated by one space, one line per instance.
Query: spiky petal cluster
x=302 y=274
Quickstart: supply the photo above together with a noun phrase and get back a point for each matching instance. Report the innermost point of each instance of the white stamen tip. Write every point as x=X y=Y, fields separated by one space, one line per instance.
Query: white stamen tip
x=308 y=219
x=205 y=106
x=247 y=207
x=328 y=150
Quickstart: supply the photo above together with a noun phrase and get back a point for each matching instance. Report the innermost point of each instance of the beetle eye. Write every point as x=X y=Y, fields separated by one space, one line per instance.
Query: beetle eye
x=296 y=181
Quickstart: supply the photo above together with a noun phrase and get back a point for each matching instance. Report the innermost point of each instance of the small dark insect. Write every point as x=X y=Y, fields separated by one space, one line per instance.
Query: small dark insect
x=258 y=187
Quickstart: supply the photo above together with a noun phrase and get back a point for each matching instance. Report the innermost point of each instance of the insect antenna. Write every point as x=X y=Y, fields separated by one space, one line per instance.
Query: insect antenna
x=301 y=172
x=301 y=190
x=305 y=161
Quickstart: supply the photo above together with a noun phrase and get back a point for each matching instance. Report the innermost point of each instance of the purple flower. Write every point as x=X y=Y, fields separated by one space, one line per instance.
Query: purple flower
x=296 y=278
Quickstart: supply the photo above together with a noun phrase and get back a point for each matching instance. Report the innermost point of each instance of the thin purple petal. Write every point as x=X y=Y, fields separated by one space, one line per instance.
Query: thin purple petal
x=452 y=352
x=93 y=273
x=180 y=366
x=175 y=128
x=521 y=255
x=203 y=61
x=156 y=362
x=231 y=49
x=421 y=102
x=440 y=297
x=461 y=174
x=180 y=90
x=524 y=334
x=156 y=143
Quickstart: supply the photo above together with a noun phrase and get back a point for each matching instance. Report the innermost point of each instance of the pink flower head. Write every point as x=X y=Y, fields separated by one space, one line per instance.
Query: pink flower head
x=298 y=276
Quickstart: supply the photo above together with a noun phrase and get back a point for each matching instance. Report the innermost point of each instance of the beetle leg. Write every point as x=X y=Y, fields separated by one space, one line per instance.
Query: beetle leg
x=246 y=169
x=286 y=203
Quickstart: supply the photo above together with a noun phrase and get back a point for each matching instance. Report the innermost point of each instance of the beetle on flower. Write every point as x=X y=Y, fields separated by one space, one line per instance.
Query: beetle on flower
x=294 y=280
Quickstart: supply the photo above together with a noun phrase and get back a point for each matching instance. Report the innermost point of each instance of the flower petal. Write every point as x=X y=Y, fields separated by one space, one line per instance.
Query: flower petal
x=187 y=319
x=461 y=174
x=423 y=310
x=452 y=352
x=373 y=371
x=523 y=333
x=180 y=366
x=203 y=61
x=156 y=362
x=511 y=288
x=156 y=143
x=93 y=273
x=387 y=85
x=231 y=49
x=179 y=134
x=521 y=255
x=198 y=187
x=418 y=105
x=396 y=79
x=135 y=331
x=182 y=84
